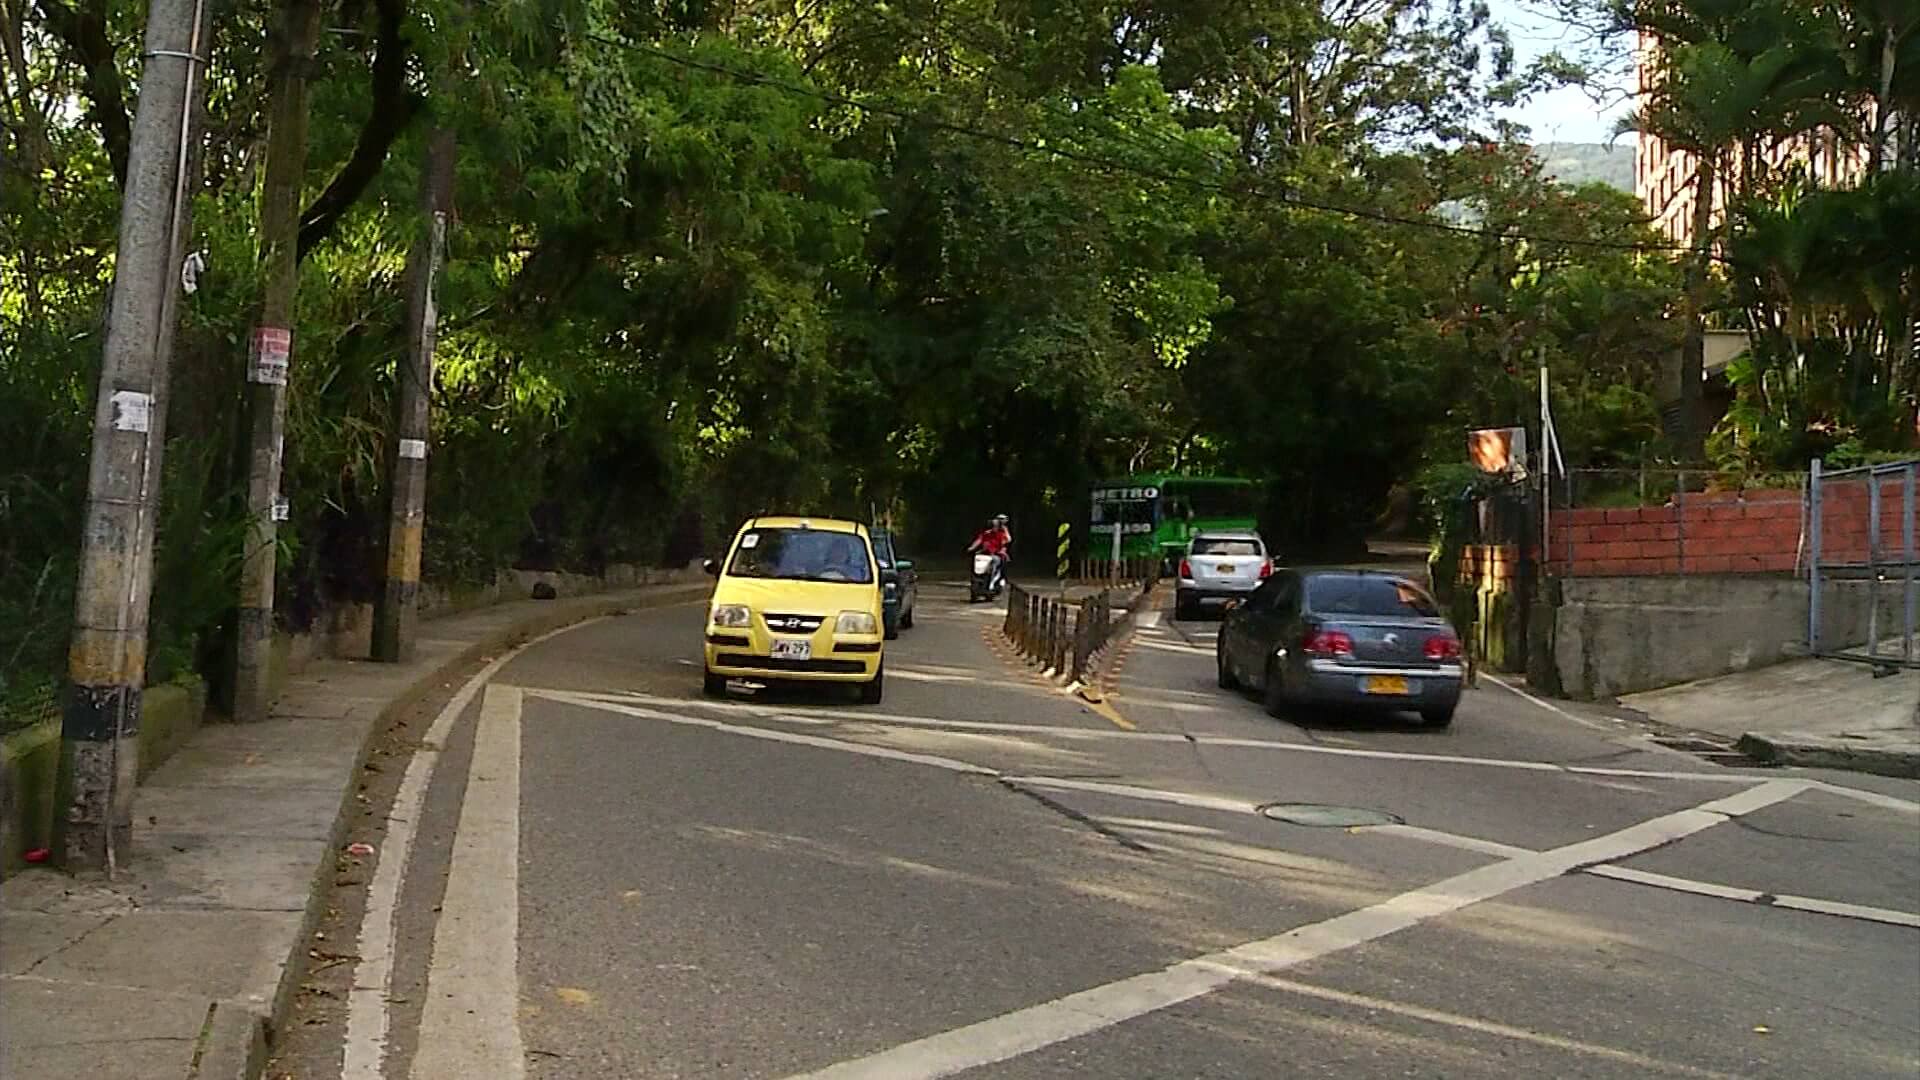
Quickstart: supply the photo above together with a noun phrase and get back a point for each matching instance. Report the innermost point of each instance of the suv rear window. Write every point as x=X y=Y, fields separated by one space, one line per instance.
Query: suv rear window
x=1369 y=595
x=1224 y=545
x=802 y=555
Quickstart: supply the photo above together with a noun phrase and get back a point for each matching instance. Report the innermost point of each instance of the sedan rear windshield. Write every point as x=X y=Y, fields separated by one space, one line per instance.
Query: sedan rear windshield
x=1222 y=545
x=802 y=555
x=1369 y=596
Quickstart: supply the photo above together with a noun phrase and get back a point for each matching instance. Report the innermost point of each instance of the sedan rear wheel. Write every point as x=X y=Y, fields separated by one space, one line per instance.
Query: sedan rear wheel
x=1274 y=693
x=1227 y=680
x=1438 y=717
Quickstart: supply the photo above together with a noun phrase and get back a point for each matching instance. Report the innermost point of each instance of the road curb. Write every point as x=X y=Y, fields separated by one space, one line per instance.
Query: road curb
x=1888 y=755
x=236 y=1047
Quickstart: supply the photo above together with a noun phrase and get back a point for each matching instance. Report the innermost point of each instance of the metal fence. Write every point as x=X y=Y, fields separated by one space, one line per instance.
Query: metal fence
x=1118 y=572
x=1861 y=525
x=1062 y=636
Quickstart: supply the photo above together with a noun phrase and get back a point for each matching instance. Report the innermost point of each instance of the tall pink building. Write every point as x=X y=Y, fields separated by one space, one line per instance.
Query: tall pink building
x=1663 y=177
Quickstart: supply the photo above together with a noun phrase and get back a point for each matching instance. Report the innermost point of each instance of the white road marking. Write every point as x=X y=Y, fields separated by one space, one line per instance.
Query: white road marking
x=366 y=1041
x=928 y=676
x=470 y=1024
x=1844 y=910
x=1724 y=776
x=1076 y=1015
x=1872 y=798
x=1545 y=704
x=1129 y=791
x=1741 y=803
x=792 y=737
x=1639 y=1062
x=1452 y=840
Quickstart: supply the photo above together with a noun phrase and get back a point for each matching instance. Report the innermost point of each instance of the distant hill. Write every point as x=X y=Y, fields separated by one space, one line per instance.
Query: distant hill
x=1579 y=163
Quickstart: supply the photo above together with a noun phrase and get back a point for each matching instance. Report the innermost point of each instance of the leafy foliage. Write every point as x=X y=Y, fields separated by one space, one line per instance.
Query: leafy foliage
x=934 y=260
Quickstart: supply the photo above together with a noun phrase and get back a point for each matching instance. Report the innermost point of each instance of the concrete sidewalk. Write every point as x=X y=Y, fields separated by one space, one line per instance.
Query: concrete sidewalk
x=180 y=966
x=1821 y=713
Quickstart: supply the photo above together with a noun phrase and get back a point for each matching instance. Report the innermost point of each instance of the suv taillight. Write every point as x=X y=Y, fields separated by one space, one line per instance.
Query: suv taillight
x=1328 y=643
x=1266 y=569
x=1443 y=647
x=1186 y=568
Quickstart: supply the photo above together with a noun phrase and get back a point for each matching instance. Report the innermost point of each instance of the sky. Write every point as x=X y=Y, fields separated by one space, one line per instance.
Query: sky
x=1567 y=115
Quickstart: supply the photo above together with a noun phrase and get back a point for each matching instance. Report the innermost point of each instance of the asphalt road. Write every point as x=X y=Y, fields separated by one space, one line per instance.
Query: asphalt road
x=612 y=877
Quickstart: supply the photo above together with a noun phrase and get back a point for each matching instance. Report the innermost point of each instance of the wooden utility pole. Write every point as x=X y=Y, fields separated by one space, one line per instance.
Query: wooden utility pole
x=107 y=661
x=396 y=611
x=292 y=47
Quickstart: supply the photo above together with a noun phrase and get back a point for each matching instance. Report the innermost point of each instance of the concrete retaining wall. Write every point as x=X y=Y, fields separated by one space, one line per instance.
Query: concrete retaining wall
x=345 y=631
x=1620 y=635
x=170 y=714
x=30 y=763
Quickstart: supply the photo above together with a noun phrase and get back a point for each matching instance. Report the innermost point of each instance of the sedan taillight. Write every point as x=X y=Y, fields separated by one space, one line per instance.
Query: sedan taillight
x=1328 y=643
x=1443 y=647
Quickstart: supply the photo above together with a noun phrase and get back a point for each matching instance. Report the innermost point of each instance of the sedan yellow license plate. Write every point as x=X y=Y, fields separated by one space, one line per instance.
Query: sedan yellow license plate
x=1386 y=684
x=1227 y=570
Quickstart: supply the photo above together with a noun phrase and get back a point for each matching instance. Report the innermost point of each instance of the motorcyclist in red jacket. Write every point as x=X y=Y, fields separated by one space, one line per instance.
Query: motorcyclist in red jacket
x=994 y=540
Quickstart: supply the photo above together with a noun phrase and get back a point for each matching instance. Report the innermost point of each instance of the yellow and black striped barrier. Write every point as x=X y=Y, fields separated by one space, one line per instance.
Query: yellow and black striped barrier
x=1065 y=545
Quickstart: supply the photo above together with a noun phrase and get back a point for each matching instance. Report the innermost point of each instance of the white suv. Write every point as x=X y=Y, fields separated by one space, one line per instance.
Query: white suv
x=1218 y=567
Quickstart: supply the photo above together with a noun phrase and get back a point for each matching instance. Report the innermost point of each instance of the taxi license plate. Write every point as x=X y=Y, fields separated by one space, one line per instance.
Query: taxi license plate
x=1386 y=684
x=793 y=650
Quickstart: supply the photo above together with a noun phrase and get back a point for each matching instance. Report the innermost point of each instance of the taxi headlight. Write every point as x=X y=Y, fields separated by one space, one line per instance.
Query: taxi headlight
x=855 y=622
x=732 y=616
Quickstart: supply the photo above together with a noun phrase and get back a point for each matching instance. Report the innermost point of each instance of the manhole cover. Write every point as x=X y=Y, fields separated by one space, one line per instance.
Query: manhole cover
x=1320 y=816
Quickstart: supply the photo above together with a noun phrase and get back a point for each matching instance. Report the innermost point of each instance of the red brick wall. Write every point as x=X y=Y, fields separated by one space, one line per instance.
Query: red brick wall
x=1481 y=563
x=1748 y=532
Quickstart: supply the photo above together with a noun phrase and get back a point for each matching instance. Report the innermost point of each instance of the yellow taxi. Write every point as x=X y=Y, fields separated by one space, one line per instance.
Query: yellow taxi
x=798 y=599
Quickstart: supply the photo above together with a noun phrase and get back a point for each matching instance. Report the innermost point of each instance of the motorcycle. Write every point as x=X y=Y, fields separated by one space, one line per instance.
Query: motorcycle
x=988 y=577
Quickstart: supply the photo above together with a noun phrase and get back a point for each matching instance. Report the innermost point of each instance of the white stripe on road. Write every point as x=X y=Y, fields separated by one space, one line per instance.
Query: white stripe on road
x=470 y=1024
x=1735 y=805
x=1724 y=776
x=1129 y=791
x=1452 y=840
x=1545 y=704
x=1076 y=1015
x=1640 y=1062
x=793 y=737
x=366 y=1045
x=1889 y=916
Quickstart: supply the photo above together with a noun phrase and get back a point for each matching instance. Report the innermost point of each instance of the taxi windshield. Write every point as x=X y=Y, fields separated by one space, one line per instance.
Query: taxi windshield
x=802 y=555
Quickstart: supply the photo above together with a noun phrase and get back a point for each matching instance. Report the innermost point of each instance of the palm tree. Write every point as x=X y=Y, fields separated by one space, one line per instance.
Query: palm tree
x=1729 y=77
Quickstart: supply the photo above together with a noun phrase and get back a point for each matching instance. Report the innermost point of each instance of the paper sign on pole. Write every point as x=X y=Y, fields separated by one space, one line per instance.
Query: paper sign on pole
x=272 y=345
x=132 y=411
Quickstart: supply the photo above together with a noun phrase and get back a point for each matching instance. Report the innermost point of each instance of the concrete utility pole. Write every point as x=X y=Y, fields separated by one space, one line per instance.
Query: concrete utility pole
x=395 y=612
x=292 y=47
x=107 y=661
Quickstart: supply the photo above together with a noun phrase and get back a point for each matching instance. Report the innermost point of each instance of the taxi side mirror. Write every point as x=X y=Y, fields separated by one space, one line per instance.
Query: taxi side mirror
x=711 y=566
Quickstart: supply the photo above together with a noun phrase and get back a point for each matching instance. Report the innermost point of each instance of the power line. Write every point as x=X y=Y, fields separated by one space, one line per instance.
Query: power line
x=1014 y=142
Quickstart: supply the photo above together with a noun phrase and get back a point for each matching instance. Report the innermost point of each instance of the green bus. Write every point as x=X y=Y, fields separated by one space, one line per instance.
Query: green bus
x=1155 y=513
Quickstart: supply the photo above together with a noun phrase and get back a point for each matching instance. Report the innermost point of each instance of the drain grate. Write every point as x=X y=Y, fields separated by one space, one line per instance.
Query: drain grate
x=1322 y=816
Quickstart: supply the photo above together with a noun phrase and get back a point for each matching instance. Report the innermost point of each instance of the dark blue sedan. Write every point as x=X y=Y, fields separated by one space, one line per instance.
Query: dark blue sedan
x=899 y=585
x=1345 y=638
